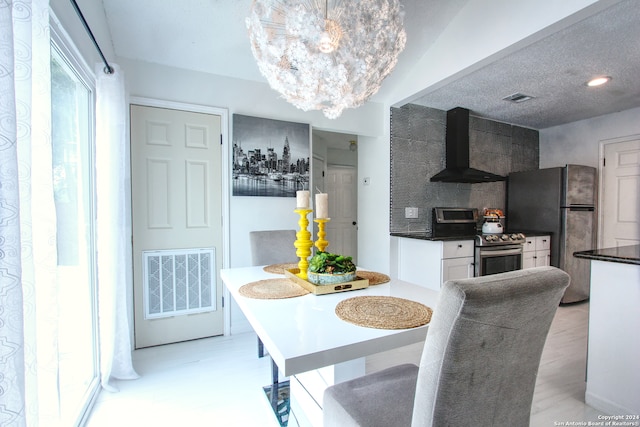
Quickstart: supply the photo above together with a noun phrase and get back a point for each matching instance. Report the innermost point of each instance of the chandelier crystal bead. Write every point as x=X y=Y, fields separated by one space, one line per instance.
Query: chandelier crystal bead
x=326 y=55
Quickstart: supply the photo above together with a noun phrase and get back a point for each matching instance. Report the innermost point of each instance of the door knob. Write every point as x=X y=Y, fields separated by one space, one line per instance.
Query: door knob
x=354 y=223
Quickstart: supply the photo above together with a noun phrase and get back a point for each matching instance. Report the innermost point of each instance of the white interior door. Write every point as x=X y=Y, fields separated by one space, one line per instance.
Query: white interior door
x=621 y=194
x=176 y=180
x=342 y=230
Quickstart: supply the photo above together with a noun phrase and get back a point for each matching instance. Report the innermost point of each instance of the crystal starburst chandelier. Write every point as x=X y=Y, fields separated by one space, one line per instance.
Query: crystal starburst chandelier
x=326 y=54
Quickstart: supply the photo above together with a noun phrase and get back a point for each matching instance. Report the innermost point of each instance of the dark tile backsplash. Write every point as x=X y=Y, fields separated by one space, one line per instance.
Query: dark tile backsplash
x=418 y=151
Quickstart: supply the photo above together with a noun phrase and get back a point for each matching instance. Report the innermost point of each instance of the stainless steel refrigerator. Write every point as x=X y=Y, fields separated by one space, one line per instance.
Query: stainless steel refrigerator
x=560 y=201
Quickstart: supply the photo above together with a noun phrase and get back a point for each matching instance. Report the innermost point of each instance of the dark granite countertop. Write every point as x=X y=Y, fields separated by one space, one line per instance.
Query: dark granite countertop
x=622 y=254
x=423 y=235
x=530 y=233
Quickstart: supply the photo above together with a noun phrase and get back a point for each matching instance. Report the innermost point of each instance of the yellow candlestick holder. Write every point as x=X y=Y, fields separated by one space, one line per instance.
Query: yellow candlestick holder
x=321 y=243
x=303 y=242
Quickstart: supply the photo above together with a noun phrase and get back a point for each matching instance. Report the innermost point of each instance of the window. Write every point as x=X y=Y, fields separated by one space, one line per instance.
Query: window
x=72 y=118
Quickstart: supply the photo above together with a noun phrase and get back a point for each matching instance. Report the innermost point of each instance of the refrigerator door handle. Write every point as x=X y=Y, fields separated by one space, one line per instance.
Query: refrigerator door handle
x=580 y=208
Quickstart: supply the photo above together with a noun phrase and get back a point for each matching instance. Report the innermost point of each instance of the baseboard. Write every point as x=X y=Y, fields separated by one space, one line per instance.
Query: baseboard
x=605 y=405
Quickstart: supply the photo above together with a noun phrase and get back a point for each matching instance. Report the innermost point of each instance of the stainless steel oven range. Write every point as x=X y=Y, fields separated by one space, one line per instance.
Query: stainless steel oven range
x=494 y=253
x=498 y=253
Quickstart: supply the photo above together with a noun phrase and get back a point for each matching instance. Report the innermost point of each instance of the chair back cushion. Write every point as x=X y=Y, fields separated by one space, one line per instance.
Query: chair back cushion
x=273 y=247
x=483 y=348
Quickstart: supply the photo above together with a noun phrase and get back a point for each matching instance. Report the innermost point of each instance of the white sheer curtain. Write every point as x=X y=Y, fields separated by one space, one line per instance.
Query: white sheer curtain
x=28 y=314
x=29 y=364
x=111 y=171
x=12 y=365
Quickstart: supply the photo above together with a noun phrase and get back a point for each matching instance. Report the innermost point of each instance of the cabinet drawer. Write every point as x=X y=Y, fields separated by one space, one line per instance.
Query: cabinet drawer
x=537 y=243
x=457 y=249
x=529 y=244
x=543 y=243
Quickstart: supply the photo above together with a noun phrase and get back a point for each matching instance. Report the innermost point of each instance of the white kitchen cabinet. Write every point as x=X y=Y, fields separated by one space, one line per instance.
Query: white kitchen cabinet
x=457 y=268
x=536 y=252
x=430 y=263
x=457 y=260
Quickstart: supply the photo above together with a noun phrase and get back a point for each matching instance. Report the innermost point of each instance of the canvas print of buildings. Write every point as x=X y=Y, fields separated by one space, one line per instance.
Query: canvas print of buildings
x=270 y=157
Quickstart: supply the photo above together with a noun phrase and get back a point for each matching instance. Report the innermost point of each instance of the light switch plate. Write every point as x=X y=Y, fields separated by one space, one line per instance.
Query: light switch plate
x=411 y=212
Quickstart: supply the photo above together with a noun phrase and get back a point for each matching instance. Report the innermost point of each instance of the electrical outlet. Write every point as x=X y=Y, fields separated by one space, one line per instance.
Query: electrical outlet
x=411 y=212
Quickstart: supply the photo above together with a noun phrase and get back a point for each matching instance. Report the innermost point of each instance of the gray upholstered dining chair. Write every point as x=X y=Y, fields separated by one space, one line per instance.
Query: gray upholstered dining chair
x=479 y=361
x=272 y=247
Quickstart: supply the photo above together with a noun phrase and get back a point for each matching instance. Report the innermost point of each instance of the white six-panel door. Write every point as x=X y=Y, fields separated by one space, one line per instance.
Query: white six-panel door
x=621 y=194
x=176 y=162
x=342 y=231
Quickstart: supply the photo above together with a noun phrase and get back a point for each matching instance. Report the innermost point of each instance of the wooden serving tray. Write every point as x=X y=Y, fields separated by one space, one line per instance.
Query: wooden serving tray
x=359 y=283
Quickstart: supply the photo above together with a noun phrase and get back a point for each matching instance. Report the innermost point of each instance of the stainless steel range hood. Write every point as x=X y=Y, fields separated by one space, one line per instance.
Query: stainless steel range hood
x=457 y=152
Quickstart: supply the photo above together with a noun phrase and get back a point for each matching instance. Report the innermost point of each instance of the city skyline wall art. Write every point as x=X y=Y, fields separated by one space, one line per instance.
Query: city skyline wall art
x=270 y=157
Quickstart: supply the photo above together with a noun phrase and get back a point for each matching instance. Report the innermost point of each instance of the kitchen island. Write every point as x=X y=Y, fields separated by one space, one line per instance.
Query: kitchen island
x=613 y=361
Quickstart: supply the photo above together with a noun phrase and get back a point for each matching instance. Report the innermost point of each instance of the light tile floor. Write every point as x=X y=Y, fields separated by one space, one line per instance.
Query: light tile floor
x=218 y=381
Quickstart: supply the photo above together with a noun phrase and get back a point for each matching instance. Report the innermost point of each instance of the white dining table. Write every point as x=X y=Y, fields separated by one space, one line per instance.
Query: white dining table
x=311 y=344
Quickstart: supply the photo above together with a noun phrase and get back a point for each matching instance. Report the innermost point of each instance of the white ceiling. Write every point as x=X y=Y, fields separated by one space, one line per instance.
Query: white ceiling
x=210 y=36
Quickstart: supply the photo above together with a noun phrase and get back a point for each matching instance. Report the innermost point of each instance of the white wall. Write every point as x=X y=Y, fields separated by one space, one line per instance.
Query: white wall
x=256 y=99
x=249 y=98
x=236 y=96
x=579 y=142
x=373 y=201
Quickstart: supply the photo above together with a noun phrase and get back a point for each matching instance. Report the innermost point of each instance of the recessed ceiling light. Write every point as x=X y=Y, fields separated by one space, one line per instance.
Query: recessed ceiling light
x=598 y=81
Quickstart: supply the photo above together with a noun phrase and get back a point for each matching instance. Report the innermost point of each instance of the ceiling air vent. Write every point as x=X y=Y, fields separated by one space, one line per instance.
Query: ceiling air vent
x=518 y=97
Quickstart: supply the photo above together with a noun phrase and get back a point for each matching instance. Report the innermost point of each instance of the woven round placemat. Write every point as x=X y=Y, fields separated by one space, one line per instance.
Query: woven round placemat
x=382 y=312
x=374 y=278
x=280 y=268
x=272 y=289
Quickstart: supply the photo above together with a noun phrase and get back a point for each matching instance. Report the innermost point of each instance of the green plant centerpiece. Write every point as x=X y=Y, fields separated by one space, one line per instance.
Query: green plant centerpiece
x=326 y=268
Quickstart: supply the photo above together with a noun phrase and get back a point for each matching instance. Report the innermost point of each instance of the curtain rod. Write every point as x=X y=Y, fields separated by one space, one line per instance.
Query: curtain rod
x=108 y=69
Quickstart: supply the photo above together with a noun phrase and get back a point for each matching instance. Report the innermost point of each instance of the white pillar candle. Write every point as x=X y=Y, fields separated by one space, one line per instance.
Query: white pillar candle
x=322 y=205
x=302 y=199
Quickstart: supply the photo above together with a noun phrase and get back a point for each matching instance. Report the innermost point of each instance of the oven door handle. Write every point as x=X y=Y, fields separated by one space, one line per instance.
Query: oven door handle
x=500 y=252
